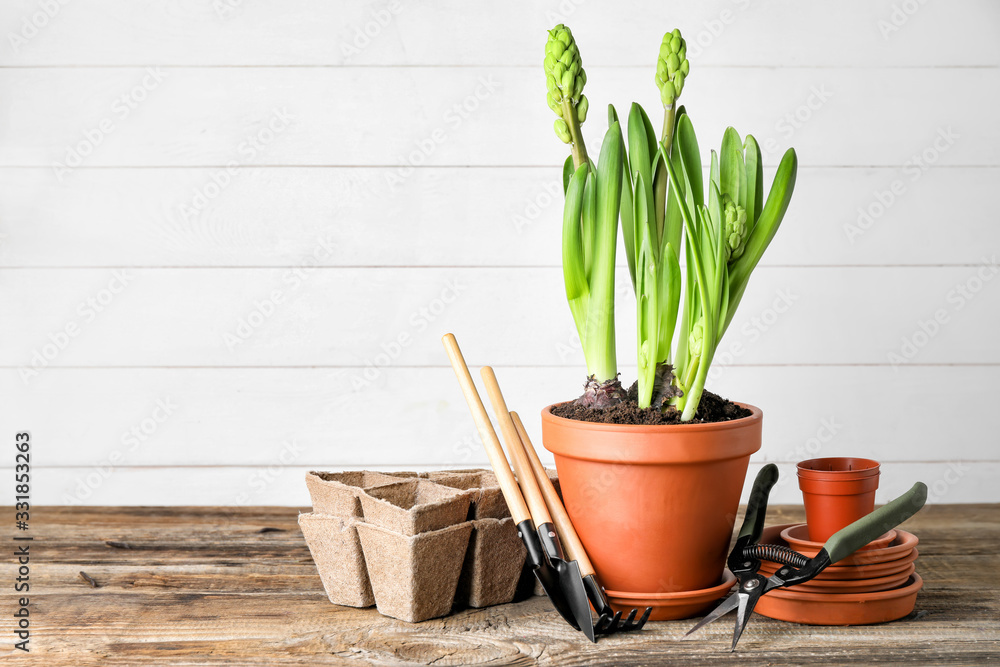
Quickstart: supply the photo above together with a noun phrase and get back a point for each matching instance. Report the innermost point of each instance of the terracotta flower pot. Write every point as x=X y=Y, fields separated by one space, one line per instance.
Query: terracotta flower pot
x=837 y=492
x=654 y=505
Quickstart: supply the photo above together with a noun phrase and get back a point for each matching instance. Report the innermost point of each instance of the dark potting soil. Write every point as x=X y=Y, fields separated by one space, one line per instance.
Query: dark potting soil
x=712 y=408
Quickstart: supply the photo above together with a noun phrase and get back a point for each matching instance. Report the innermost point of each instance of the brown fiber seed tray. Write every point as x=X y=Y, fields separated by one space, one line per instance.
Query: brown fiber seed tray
x=493 y=564
x=336 y=550
x=414 y=577
x=415 y=506
x=487 y=501
x=336 y=493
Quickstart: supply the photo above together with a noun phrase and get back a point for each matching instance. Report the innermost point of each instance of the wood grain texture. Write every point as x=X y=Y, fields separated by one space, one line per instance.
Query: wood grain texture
x=227 y=586
x=474 y=116
x=448 y=216
x=423 y=32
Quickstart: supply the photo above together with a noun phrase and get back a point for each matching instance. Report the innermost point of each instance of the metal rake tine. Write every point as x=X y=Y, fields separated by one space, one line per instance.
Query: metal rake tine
x=641 y=622
x=627 y=623
x=600 y=624
x=609 y=624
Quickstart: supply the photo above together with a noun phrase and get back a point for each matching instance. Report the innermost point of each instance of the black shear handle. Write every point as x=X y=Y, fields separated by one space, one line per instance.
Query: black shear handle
x=753 y=522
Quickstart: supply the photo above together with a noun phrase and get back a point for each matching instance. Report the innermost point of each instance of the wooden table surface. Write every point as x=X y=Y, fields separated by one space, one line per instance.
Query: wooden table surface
x=236 y=586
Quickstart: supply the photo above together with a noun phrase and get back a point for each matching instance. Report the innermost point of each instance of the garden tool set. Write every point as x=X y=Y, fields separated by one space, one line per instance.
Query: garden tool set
x=569 y=581
x=560 y=562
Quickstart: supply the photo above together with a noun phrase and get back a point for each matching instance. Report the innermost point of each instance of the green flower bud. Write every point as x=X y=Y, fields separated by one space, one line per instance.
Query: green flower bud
x=581 y=108
x=671 y=67
x=562 y=131
x=554 y=101
x=667 y=93
x=673 y=64
x=566 y=85
x=564 y=81
x=695 y=339
x=735 y=229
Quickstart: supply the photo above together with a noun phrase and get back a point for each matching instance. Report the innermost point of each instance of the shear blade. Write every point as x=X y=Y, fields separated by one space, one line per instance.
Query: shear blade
x=742 y=616
x=724 y=608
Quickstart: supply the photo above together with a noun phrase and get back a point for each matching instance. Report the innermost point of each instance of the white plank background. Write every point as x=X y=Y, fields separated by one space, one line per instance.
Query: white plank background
x=239 y=271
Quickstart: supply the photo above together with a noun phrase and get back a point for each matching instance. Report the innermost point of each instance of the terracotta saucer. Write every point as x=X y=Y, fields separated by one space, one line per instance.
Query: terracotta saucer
x=898 y=548
x=841 y=609
x=844 y=572
x=855 y=585
x=672 y=606
x=797 y=537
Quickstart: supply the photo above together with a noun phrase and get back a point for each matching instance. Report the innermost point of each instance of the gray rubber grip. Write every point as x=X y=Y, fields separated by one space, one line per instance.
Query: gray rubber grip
x=753 y=523
x=848 y=540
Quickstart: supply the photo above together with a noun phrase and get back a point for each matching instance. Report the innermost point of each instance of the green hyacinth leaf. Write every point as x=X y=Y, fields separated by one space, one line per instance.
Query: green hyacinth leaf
x=574 y=273
x=732 y=171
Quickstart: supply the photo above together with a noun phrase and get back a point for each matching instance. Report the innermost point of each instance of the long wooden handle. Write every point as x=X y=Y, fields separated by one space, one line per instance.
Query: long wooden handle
x=508 y=485
x=564 y=527
x=522 y=467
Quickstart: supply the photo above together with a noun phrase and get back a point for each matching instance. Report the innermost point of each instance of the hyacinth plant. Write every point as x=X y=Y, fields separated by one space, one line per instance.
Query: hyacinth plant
x=663 y=205
x=590 y=219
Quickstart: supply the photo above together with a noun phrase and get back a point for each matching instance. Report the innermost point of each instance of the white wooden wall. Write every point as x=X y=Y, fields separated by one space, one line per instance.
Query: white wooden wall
x=233 y=231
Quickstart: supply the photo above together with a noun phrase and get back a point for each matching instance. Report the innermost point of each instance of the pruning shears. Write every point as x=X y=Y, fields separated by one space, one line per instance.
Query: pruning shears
x=746 y=556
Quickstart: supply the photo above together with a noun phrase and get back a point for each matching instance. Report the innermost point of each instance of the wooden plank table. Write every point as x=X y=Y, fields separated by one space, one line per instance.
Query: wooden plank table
x=236 y=586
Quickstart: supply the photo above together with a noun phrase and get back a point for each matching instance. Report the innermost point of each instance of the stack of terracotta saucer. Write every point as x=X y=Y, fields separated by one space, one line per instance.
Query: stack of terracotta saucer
x=875 y=584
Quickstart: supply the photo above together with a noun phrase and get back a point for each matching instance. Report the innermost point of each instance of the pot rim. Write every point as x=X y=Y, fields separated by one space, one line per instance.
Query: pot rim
x=661 y=444
x=755 y=416
x=803 y=470
x=841 y=486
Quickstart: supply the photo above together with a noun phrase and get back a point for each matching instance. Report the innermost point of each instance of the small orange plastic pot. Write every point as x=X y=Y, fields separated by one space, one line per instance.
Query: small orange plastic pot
x=654 y=505
x=836 y=492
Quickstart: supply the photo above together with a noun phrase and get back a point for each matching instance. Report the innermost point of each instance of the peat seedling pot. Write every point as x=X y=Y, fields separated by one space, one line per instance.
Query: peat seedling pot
x=336 y=550
x=415 y=506
x=493 y=564
x=836 y=492
x=496 y=555
x=654 y=505
x=414 y=577
x=337 y=493
x=487 y=499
